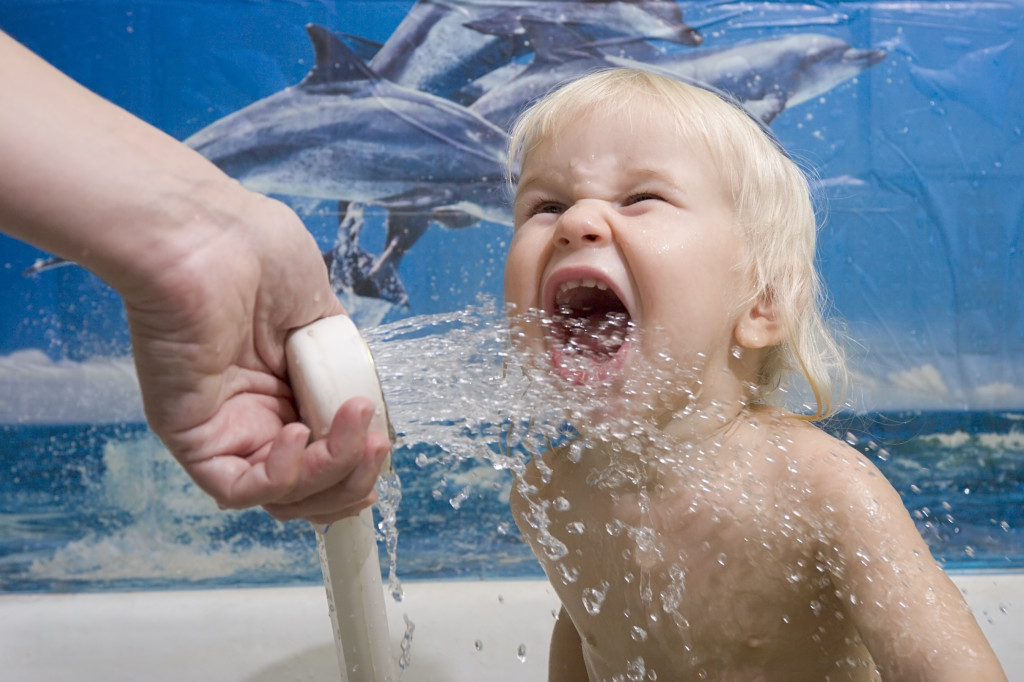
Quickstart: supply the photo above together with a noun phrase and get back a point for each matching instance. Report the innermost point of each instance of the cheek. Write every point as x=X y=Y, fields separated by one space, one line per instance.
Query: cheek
x=521 y=275
x=522 y=282
x=689 y=305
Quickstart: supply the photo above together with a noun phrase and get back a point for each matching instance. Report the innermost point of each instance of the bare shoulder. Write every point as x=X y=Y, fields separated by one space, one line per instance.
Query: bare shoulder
x=843 y=492
x=901 y=602
x=833 y=468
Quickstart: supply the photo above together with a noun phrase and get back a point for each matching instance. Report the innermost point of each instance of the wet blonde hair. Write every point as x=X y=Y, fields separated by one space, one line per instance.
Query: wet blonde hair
x=771 y=198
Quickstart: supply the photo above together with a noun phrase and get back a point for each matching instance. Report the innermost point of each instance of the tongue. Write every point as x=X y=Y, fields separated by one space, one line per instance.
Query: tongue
x=597 y=334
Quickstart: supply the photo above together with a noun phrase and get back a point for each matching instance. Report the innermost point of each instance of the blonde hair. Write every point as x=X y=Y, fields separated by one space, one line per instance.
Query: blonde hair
x=772 y=202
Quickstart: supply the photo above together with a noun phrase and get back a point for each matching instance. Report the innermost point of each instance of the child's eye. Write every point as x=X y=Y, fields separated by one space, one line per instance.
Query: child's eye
x=641 y=196
x=547 y=207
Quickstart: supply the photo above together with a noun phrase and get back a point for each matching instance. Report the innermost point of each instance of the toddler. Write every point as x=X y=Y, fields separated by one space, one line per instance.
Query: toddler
x=662 y=271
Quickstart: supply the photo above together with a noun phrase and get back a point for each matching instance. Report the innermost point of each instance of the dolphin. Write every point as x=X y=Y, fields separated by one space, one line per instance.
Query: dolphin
x=354 y=270
x=769 y=75
x=597 y=19
x=560 y=55
x=441 y=45
x=345 y=133
x=764 y=76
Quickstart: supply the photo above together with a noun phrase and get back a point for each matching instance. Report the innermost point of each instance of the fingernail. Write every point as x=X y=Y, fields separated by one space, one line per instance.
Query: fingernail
x=367 y=415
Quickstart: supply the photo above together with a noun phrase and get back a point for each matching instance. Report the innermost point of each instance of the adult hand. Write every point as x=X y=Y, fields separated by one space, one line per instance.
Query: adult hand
x=208 y=328
x=213 y=278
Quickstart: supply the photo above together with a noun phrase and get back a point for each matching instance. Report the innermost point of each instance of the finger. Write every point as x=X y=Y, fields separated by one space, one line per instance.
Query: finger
x=332 y=460
x=348 y=497
x=238 y=482
x=323 y=508
x=283 y=464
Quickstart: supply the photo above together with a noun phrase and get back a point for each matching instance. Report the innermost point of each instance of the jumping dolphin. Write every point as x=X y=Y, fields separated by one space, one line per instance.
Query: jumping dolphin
x=598 y=20
x=345 y=133
x=442 y=45
x=765 y=76
x=769 y=75
x=560 y=55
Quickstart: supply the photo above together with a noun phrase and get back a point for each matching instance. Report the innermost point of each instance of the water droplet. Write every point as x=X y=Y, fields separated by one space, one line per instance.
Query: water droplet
x=593 y=598
x=638 y=633
x=636 y=670
x=478 y=645
x=521 y=653
x=406 y=656
x=561 y=504
x=459 y=498
x=569 y=573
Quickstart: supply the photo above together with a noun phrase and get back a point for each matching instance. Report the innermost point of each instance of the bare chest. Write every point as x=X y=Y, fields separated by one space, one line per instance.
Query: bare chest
x=708 y=576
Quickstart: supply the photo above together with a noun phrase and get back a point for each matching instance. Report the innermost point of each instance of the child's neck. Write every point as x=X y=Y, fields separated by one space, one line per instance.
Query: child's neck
x=699 y=430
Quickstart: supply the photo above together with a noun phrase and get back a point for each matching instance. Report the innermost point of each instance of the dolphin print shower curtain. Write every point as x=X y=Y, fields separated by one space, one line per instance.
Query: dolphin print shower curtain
x=383 y=124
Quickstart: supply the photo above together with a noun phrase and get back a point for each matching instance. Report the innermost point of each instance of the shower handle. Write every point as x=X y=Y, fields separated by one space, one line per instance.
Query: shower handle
x=329 y=363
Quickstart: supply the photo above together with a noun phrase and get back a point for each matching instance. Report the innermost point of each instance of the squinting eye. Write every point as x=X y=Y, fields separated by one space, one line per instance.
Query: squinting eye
x=547 y=207
x=642 y=196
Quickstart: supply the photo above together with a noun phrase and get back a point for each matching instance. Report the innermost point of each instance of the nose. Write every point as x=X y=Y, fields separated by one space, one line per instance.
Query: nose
x=582 y=224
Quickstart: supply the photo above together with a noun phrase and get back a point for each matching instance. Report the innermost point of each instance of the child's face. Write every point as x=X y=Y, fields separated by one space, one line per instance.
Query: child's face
x=626 y=217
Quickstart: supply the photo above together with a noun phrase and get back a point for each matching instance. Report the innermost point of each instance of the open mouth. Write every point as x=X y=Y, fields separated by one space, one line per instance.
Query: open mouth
x=589 y=320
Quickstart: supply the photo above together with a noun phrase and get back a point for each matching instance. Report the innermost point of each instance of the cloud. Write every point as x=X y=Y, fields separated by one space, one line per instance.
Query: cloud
x=936 y=386
x=998 y=393
x=36 y=389
x=923 y=379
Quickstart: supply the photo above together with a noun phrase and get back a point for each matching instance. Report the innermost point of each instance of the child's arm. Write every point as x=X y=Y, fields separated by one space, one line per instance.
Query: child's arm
x=565 y=661
x=910 y=615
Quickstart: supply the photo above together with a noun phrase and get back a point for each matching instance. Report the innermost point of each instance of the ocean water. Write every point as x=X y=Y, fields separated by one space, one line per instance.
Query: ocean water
x=104 y=507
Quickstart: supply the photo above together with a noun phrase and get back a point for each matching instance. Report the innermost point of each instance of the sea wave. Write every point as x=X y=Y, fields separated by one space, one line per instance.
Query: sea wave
x=35 y=389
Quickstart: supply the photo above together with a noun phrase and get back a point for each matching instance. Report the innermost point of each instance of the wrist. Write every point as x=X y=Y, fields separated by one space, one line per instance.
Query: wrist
x=190 y=231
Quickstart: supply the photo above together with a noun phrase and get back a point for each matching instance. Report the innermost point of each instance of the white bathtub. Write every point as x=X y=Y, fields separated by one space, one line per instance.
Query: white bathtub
x=464 y=631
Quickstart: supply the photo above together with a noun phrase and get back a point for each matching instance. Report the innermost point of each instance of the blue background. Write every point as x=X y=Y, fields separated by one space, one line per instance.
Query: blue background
x=920 y=157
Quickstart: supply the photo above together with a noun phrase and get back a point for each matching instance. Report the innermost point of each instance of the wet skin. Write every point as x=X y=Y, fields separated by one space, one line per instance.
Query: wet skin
x=725 y=541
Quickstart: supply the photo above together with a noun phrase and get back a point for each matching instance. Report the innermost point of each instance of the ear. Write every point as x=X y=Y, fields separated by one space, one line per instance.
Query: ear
x=758 y=326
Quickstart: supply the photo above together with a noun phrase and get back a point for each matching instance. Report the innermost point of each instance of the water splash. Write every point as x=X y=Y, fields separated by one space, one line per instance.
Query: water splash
x=139 y=521
x=389 y=496
x=405 y=658
x=593 y=598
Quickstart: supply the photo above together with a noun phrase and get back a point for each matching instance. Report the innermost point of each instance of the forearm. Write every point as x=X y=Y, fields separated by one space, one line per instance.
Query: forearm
x=85 y=180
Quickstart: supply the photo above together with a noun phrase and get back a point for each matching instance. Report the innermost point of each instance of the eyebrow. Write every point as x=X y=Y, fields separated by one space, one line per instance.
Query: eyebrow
x=653 y=174
x=527 y=180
